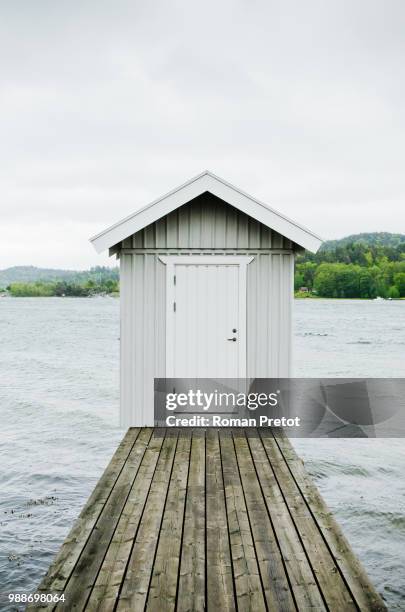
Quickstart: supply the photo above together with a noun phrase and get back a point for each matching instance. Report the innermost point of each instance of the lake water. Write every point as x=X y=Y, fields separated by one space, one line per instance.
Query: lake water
x=59 y=411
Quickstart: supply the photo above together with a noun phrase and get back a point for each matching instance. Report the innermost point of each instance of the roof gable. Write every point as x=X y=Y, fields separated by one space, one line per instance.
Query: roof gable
x=190 y=190
x=206 y=222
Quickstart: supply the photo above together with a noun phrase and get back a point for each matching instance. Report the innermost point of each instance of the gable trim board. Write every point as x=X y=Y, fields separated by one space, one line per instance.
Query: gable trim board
x=192 y=189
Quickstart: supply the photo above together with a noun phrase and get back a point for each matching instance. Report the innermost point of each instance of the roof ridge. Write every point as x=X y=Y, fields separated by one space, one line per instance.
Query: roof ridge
x=206 y=181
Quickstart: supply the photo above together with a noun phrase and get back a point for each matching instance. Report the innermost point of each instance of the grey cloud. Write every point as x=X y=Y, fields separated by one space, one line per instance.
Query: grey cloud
x=104 y=106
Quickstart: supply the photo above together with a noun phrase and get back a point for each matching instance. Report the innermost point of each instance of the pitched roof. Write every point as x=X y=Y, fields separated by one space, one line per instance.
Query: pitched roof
x=207 y=181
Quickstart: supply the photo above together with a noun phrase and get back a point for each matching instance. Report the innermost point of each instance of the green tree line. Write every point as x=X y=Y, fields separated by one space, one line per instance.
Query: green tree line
x=338 y=270
x=96 y=281
x=353 y=270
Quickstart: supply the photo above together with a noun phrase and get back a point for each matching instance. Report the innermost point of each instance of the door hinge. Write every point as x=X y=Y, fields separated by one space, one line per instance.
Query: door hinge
x=174 y=279
x=174 y=306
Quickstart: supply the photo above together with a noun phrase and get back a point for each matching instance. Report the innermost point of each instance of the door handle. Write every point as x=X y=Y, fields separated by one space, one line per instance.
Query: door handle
x=231 y=339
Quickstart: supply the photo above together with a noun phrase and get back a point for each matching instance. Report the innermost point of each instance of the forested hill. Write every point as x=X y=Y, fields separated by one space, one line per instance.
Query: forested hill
x=360 y=266
x=28 y=281
x=371 y=239
x=32 y=274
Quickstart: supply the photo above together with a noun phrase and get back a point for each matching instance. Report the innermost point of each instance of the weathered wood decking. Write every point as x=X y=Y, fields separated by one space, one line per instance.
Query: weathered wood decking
x=218 y=520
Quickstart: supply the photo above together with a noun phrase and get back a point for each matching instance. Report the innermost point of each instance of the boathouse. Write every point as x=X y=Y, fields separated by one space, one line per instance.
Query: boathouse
x=196 y=518
x=206 y=281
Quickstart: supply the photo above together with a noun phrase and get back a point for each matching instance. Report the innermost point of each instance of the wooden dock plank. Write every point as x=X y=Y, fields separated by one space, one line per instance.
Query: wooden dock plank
x=61 y=568
x=287 y=569
x=88 y=565
x=306 y=592
x=134 y=589
x=220 y=588
x=328 y=577
x=191 y=586
x=248 y=581
x=163 y=586
x=363 y=591
x=190 y=520
x=105 y=592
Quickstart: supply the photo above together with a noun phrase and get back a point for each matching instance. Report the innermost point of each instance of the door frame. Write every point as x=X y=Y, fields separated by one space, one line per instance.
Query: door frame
x=242 y=262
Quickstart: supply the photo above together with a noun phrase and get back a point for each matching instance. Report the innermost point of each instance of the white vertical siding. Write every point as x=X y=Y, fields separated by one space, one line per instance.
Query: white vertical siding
x=126 y=339
x=143 y=325
x=269 y=314
x=206 y=225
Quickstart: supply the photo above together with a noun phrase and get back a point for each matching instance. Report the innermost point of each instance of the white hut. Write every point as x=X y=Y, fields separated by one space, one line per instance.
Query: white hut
x=206 y=284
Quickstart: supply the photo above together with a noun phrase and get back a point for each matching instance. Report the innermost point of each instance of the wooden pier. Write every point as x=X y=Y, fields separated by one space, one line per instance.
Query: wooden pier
x=206 y=519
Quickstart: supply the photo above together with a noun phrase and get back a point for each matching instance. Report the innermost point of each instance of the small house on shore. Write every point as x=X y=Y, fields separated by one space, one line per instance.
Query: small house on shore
x=207 y=284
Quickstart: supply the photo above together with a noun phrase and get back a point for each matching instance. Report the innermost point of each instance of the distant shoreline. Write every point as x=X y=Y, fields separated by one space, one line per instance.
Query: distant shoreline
x=116 y=295
x=306 y=296
x=365 y=266
x=93 y=296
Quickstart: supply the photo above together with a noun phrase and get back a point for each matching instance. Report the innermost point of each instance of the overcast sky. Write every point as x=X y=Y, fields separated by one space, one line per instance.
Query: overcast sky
x=106 y=105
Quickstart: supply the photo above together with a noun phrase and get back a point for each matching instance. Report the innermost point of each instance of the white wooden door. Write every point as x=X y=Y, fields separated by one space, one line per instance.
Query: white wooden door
x=206 y=317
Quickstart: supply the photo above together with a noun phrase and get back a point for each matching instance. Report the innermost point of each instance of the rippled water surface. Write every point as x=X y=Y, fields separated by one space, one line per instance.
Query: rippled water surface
x=59 y=413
